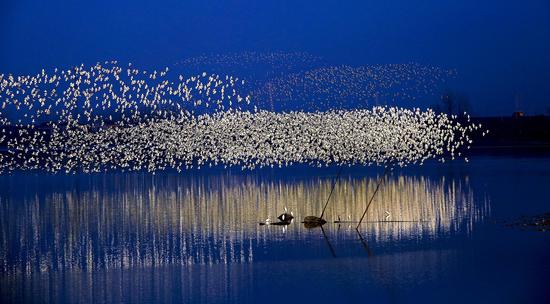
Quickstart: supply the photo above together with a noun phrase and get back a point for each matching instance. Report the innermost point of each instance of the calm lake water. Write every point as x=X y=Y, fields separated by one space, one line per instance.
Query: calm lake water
x=433 y=234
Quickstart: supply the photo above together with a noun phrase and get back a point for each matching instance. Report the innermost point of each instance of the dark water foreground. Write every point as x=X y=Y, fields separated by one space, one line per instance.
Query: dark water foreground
x=434 y=234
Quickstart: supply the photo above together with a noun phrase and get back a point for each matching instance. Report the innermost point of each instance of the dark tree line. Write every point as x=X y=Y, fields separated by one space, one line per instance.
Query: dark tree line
x=452 y=102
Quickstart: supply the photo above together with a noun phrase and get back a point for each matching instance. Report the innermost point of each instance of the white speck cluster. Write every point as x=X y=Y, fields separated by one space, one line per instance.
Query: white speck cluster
x=347 y=87
x=108 y=92
x=108 y=118
x=255 y=65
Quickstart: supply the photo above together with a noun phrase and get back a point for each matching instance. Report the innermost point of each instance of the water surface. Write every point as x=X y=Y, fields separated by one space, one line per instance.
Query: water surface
x=434 y=233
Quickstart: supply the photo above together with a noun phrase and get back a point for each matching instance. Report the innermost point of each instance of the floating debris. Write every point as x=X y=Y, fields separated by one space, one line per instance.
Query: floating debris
x=313 y=221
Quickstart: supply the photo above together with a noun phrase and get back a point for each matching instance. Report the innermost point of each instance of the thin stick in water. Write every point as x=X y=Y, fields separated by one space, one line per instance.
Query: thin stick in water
x=372 y=197
x=331 y=190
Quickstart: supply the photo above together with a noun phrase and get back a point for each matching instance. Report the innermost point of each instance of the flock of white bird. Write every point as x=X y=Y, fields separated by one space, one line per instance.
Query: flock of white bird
x=109 y=92
x=108 y=117
x=348 y=87
x=255 y=65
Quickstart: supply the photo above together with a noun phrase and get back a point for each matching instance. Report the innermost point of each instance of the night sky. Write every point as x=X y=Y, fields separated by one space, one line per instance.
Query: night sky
x=500 y=49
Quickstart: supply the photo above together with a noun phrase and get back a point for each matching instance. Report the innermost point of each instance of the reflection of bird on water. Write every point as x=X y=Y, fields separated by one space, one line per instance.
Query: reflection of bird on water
x=266 y=222
x=286 y=216
x=281 y=223
x=284 y=219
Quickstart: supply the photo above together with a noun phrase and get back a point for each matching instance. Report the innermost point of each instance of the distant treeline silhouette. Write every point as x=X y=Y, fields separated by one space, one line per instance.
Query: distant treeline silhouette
x=513 y=131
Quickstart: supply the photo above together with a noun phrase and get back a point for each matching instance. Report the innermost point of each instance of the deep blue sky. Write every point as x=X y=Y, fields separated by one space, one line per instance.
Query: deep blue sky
x=500 y=48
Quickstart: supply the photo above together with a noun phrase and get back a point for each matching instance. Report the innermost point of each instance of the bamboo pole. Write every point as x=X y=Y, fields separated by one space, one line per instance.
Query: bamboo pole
x=372 y=197
x=331 y=190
